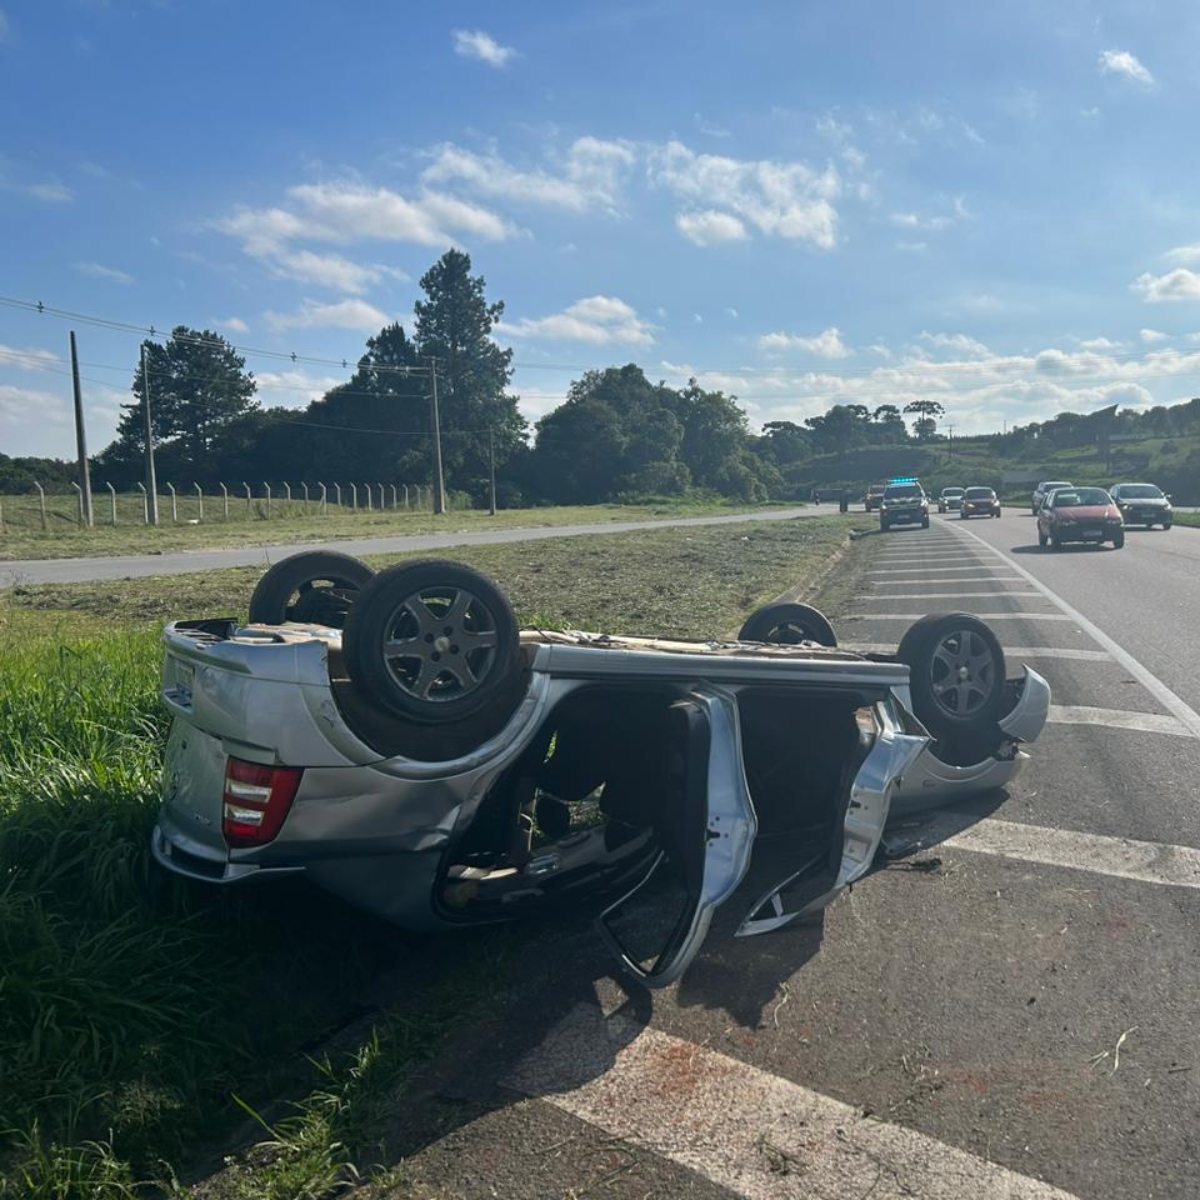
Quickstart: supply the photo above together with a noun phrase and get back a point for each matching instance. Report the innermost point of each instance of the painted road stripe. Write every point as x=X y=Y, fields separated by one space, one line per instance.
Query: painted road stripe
x=906 y=579
x=941 y=595
x=735 y=1124
x=1081 y=714
x=1151 y=682
x=977 y=566
x=1124 y=858
x=1011 y=653
x=1008 y=616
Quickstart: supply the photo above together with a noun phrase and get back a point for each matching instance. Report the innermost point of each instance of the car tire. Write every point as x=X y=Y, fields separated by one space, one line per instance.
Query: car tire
x=787 y=625
x=459 y=634
x=1118 y=541
x=1166 y=526
x=937 y=649
x=1043 y=540
x=317 y=586
x=925 y=523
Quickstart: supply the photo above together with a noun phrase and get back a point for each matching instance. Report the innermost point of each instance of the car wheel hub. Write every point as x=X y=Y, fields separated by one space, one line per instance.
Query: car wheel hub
x=962 y=673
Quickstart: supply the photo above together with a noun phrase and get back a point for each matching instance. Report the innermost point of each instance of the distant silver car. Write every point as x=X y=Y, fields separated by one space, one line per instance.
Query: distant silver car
x=416 y=753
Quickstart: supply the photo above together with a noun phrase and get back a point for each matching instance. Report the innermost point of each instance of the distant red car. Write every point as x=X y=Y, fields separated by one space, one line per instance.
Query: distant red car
x=1079 y=514
x=979 y=502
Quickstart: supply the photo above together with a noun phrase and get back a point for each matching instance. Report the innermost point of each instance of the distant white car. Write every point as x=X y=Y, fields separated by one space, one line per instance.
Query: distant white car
x=949 y=499
x=1043 y=489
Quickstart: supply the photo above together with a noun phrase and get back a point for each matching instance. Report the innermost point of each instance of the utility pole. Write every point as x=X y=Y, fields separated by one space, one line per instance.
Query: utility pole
x=492 y=470
x=85 y=475
x=151 y=482
x=439 y=483
x=951 y=428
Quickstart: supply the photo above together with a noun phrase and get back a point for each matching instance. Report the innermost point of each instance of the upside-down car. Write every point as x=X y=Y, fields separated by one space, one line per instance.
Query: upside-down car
x=398 y=740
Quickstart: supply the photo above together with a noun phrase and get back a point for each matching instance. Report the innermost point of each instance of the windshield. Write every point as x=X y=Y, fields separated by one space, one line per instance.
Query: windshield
x=1140 y=491
x=1080 y=497
x=903 y=491
x=980 y=494
x=1049 y=487
x=952 y=492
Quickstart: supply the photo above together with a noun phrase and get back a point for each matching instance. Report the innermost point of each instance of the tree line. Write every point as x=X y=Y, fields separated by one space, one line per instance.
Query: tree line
x=617 y=435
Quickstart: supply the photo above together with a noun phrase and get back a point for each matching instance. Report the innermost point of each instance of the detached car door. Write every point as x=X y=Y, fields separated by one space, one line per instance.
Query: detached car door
x=706 y=828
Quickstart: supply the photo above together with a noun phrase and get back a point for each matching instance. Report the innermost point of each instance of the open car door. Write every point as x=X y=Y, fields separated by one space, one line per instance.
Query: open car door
x=706 y=827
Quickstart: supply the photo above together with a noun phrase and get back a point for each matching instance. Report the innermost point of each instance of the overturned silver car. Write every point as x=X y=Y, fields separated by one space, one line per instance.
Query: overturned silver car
x=398 y=740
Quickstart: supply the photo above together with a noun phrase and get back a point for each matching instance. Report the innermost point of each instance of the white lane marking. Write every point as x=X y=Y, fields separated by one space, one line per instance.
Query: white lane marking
x=1151 y=682
x=1125 y=858
x=941 y=595
x=1010 y=652
x=1008 y=616
x=976 y=566
x=1081 y=714
x=735 y=1124
x=908 y=579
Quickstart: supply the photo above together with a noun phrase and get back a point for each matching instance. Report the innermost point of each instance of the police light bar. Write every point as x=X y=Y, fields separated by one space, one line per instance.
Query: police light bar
x=905 y=479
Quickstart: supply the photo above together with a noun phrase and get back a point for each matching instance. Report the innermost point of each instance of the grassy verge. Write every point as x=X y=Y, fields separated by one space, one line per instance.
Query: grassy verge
x=1187 y=518
x=297 y=523
x=133 y=1007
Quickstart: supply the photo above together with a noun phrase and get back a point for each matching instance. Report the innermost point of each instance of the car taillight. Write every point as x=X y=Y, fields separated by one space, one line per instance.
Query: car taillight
x=257 y=801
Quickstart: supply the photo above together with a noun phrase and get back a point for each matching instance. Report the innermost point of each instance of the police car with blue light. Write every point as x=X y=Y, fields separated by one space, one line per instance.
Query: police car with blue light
x=904 y=503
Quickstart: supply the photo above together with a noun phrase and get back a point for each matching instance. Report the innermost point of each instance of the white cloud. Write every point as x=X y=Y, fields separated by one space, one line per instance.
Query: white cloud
x=982 y=302
x=1090 y=113
x=98 y=271
x=295 y=388
x=1180 y=284
x=959 y=343
x=708 y=128
x=913 y=220
x=592 y=176
x=33 y=358
x=598 y=320
x=329 y=270
x=1151 y=336
x=232 y=325
x=474 y=43
x=1188 y=255
x=912 y=247
x=781 y=199
x=1100 y=343
x=731 y=312
x=710 y=227
x=19 y=406
x=345 y=314
x=48 y=193
x=827 y=344
x=1121 y=62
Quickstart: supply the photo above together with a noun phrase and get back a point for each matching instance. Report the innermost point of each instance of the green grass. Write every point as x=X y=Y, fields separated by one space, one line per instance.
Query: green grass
x=133 y=1007
x=22 y=537
x=1187 y=518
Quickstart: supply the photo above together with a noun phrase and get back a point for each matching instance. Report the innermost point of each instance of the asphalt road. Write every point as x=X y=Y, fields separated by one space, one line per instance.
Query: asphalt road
x=1012 y=1016
x=137 y=566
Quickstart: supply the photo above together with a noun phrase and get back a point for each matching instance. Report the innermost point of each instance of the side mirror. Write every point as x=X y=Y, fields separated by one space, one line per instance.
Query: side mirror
x=1168 y=494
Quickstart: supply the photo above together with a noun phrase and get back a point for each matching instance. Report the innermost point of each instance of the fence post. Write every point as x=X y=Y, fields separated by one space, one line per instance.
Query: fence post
x=79 y=493
x=324 y=493
x=200 y=500
x=287 y=495
x=174 y=506
x=395 y=498
x=112 y=502
x=354 y=497
x=337 y=494
x=42 y=502
x=405 y=487
x=304 y=487
x=224 y=499
x=382 y=502
x=267 y=488
x=249 y=501
x=145 y=503
x=367 y=489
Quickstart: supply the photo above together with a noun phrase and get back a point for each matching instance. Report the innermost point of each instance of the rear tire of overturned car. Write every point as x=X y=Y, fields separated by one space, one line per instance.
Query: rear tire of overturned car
x=434 y=642
x=788 y=625
x=956 y=674
x=318 y=586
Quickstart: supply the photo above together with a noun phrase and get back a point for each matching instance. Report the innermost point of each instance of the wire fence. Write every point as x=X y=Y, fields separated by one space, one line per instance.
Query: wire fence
x=43 y=510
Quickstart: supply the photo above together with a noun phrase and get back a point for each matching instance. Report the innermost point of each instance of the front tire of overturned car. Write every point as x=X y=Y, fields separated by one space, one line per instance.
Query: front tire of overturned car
x=956 y=674
x=788 y=625
x=318 y=586
x=434 y=642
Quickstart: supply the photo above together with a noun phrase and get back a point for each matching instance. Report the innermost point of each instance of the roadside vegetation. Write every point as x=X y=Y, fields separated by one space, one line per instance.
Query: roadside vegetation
x=145 y=1021
x=23 y=537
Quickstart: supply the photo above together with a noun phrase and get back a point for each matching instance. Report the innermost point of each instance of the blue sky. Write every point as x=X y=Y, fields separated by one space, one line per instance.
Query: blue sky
x=802 y=203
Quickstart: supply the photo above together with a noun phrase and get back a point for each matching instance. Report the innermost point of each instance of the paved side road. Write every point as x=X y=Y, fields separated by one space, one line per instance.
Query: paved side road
x=87 y=570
